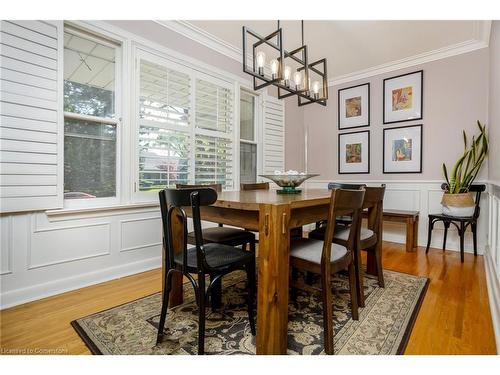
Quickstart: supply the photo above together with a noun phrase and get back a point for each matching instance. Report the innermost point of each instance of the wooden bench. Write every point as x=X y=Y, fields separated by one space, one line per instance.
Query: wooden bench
x=410 y=218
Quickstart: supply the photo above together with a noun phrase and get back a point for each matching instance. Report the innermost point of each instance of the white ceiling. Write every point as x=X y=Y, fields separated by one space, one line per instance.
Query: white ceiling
x=354 y=46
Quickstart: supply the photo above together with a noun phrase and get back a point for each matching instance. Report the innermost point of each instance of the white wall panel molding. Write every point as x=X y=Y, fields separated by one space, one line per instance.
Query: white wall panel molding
x=63 y=244
x=6 y=240
x=140 y=233
x=37 y=291
x=425 y=197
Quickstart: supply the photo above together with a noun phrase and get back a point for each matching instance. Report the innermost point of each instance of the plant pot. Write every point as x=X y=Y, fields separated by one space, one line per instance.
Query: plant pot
x=458 y=205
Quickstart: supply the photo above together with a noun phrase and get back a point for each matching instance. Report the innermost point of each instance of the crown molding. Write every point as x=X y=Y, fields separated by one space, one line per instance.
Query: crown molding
x=481 y=36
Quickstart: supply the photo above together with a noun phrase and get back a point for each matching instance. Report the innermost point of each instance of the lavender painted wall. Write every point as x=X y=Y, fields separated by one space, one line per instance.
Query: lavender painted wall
x=494 y=104
x=294 y=136
x=455 y=97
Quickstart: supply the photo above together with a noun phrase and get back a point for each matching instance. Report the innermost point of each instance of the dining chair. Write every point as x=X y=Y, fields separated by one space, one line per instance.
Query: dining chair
x=461 y=223
x=369 y=240
x=319 y=231
x=220 y=234
x=213 y=259
x=326 y=257
x=294 y=232
x=223 y=235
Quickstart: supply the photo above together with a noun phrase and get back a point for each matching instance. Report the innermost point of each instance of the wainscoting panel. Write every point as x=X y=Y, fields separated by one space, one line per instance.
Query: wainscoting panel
x=142 y=233
x=5 y=245
x=425 y=197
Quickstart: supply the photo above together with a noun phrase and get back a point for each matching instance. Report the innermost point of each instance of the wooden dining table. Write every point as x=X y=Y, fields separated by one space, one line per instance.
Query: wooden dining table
x=272 y=215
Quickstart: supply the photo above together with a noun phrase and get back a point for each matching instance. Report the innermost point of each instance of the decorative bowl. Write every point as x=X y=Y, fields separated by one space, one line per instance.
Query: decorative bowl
x=289 y=182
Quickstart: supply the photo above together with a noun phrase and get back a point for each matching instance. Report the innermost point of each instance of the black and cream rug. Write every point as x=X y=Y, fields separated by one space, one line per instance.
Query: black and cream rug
x=384 y=325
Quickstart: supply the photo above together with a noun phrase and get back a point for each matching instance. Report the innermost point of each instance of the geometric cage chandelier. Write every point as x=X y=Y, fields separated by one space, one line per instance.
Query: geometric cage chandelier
x=290 y=72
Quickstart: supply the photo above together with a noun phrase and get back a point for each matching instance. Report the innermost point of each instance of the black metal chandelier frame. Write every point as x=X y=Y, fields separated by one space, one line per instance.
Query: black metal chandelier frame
x=299 y=55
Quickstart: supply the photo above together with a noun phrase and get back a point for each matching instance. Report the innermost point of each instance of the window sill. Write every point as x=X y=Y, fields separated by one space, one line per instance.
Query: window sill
x=92 y=211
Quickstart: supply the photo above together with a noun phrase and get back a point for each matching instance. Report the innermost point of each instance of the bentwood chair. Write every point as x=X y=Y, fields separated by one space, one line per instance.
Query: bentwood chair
x=220 y=234
x=212 y=259
x=461 y=223
x=326 y=258
x=294 y=232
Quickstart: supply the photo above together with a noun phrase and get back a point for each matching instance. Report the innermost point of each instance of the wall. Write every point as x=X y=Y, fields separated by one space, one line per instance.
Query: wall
x=455 y=97
x=492 y=255
x=294 y=136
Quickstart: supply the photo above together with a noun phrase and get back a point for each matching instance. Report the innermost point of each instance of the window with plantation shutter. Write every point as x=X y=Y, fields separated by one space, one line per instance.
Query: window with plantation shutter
x=213 y=133
x=31 y=124
x=164 y=131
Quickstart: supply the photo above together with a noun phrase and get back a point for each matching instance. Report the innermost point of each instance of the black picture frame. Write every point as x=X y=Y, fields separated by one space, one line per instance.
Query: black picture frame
x=339 y=106
x=338 y=152
x=421 y=148
x=421 y=97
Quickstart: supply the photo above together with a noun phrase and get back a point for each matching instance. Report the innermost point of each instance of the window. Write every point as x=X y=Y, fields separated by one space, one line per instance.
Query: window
x=248 y=144
x=214 y=132
x=164 y=137
x=90 y=116
x=185 y=127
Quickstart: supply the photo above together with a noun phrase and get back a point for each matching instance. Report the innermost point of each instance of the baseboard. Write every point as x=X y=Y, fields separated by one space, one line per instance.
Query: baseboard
x=493 y=295
x=36 y=292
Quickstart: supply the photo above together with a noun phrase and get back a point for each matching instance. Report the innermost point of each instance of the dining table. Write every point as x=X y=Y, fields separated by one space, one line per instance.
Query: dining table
x=272 y=215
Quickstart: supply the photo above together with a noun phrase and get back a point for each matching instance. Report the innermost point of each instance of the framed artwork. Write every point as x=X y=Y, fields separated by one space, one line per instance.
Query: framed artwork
x=354 y=107
x=354 y=152
x=403 y=149
x=403 y=97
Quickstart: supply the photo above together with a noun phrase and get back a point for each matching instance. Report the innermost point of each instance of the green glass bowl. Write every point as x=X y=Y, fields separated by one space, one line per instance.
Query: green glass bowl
x=288 y=183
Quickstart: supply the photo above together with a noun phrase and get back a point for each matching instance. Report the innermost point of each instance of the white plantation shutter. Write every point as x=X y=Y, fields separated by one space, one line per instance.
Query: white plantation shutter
x=214 y=111
x=164 y=118
x=274 y=135
x=31 y=115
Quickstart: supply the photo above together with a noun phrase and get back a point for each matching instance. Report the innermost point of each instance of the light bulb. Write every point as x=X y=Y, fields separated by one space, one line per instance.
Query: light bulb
x=288 y=72
x=261 y=60
x=297 y=78
x=274 y=67
x=315 y=89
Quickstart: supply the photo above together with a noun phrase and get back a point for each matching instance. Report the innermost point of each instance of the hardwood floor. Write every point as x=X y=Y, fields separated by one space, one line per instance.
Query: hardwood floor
x=454 y=317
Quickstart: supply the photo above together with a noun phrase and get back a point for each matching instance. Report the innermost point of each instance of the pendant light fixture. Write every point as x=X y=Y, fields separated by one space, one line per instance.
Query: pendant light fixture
x=290 y=71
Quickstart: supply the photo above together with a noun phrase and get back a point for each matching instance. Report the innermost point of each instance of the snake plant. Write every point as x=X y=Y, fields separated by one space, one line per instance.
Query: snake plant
x=468 y=165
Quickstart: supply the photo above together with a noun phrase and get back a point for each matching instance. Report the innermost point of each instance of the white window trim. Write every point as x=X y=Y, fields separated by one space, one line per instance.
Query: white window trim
x=110 y=41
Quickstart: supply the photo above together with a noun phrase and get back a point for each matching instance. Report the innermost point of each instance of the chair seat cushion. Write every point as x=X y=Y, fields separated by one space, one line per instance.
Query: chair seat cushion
x=343 y=234
x=310 y=250
x=223 y=235
x=218 y=256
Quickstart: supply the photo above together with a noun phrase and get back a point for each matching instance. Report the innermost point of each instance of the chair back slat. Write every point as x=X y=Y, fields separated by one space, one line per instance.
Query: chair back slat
x=339 y=185
x=216 y=187
x=255 y=186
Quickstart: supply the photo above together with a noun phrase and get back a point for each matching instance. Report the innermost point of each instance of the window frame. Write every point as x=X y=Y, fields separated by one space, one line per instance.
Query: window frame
x=117 y=120
x=257 y=130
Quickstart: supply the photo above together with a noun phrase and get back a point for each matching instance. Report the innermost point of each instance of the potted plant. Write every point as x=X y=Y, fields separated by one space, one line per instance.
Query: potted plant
x=457 y=200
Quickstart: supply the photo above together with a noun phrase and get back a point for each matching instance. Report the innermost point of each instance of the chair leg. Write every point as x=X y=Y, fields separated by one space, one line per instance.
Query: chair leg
x=358 y=264
x=326 y=290
x=216 y=294
x=378 y=261
x=461 y=233
x=201 y=313
x=250 y=268
x=293 y=291
x=164 y=306
x=252 y=246
x=474 y=237
x=354 y=292
x=446 y=226
x=429 y=235
x=309 y=278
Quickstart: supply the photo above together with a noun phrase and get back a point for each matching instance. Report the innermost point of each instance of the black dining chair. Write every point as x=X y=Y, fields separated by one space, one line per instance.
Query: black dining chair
x=461 y=223
x=213 y=259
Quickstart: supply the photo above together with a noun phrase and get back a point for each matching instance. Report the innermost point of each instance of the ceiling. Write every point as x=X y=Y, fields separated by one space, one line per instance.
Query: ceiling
x=356 y=46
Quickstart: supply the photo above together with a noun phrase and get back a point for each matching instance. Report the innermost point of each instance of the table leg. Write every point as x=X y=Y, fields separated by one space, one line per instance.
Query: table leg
x=274 y=263
x=415 y=234
x=410 y=235
x=176 y=294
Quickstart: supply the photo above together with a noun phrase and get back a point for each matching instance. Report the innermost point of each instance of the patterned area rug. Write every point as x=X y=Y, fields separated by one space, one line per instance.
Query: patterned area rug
x=383 y=327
